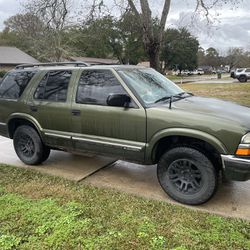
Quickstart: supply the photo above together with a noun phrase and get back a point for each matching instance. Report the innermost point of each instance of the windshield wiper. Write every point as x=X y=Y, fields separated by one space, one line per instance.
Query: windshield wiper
x=163 y=99
x=170 y=98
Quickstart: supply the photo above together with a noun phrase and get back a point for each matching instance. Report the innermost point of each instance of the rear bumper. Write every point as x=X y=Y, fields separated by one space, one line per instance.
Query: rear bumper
x=236 y=168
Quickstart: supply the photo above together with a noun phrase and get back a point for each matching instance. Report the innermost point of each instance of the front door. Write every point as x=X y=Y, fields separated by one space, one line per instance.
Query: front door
x=97 y=127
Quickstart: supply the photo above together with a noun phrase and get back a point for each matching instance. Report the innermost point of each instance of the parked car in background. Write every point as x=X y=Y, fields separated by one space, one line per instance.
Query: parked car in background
x=186 y=72
x=235 y=71
x=243 y=74
x=198 y=72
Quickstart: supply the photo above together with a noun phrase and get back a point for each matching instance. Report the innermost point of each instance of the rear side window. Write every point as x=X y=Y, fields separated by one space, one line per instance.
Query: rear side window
x=96 y=85
x=54 y=86
x=14 y=83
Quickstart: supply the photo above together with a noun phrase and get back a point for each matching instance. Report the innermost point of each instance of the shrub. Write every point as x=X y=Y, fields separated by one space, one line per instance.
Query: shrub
x=2 y=73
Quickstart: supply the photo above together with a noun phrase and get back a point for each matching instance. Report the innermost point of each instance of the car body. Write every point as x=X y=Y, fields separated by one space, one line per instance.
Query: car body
x=131 y=113
x=242 y=74
x=198 y=72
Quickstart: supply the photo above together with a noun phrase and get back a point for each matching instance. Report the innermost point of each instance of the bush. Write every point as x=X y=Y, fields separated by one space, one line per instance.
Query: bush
x=2 y=73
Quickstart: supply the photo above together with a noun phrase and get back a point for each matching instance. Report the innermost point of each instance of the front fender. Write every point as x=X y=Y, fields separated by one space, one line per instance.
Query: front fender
x=197 y=134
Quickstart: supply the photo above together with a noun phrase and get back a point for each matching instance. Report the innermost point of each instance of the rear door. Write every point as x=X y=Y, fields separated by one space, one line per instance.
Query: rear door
x=50 y=105
x=97 y=127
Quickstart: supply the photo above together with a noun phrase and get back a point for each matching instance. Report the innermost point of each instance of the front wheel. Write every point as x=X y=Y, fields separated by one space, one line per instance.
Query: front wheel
x=29 y=146
x=187 y=175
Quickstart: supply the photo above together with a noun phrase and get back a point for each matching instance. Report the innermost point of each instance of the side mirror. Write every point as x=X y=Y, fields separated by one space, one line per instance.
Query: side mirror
x=118 y=100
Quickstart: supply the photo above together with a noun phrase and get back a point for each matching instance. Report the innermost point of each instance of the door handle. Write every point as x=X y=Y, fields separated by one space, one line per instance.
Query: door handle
x=76 y=112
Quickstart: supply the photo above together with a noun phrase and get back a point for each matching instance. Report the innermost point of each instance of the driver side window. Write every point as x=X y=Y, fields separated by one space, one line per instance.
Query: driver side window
x=96 y=85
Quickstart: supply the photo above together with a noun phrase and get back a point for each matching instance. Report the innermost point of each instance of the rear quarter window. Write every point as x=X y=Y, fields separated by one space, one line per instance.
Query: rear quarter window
x=14 y=84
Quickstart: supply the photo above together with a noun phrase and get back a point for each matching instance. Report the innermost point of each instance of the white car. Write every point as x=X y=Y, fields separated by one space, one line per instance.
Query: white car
x=242 y=74
x=198 y=72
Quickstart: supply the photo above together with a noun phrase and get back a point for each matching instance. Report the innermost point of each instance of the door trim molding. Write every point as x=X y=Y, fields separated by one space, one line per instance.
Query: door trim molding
x=115 y=143
x=112 y=144
x=58 y=135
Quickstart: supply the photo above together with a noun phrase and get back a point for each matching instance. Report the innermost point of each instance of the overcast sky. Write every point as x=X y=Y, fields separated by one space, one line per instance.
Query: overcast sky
x=230 y=29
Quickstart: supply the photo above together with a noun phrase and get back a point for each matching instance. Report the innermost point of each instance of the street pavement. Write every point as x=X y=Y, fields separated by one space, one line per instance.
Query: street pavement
x=211 y=79
x=232 y=198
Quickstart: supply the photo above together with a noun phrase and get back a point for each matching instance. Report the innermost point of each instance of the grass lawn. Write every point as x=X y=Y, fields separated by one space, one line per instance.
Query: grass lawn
x=236 y=92
x=42 y=212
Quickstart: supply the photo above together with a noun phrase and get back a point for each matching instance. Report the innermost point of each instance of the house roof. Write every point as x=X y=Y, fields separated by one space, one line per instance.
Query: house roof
x=14 y=56
x=92 y=60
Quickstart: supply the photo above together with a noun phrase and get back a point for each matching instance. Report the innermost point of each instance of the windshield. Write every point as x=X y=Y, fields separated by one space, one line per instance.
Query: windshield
x=149 y=85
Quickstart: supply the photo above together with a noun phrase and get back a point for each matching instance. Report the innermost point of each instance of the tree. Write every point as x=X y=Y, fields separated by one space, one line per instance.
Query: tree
x=153 y=28
x=201 y=56
x=237 y=57
x=54 y=15
x=212 y=57
x=109 y=37
x=131 y=35
x=25 y=31
x=179 y=50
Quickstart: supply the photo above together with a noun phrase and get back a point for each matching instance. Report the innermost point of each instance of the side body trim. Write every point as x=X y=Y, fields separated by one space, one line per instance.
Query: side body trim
x=111 y=142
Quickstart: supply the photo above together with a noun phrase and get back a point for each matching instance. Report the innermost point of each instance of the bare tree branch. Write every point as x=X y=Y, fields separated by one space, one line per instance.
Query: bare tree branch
x=134 y=9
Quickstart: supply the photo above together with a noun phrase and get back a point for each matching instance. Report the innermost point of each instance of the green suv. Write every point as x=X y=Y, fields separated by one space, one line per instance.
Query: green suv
x=129 y=112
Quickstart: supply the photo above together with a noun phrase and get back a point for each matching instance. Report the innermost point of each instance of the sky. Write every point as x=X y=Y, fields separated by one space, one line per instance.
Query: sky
x=230 y=26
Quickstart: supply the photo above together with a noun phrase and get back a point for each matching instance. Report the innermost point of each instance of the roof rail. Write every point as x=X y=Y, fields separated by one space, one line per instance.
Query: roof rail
x=76 y=64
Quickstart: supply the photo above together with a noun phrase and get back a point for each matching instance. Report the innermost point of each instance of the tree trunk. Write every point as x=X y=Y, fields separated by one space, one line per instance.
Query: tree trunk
x=152 y=35
x=154 y=58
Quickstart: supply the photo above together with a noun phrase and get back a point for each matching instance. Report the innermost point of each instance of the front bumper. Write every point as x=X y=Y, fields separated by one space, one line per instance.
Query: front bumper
x=236 y=168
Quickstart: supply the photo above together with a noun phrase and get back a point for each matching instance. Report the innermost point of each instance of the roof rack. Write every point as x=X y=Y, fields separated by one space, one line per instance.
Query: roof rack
x=76 y=64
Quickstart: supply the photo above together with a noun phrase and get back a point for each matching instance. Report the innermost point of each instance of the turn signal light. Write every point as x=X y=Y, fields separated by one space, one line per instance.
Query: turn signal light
x=243 y=151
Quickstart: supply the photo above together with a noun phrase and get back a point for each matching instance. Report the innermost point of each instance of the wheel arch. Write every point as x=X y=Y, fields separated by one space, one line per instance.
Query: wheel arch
x=171 y=137
x=19 y=119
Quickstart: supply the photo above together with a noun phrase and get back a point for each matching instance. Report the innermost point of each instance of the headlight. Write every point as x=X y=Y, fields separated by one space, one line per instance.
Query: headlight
x=244 y=147
x=246 y=139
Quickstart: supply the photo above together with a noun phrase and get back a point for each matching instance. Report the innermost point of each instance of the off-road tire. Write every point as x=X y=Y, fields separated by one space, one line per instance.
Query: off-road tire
x=29 y=146
x=186 y=167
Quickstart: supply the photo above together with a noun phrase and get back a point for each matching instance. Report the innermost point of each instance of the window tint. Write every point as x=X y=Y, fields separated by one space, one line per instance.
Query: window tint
x=96 y=85
x=54 y=86
x=14 y=83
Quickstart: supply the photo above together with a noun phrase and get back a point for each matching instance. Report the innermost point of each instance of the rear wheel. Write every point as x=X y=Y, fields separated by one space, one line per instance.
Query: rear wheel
x=187 y=175
x=242 y=79
x=29 y=146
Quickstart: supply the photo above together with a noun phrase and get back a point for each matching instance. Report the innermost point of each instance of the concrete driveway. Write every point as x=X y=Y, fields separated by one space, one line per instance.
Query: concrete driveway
x=232 y=198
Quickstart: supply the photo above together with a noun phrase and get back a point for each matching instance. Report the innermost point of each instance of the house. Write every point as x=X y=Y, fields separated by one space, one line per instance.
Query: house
x=11 y=57
x=92 y=60
x=144 y=64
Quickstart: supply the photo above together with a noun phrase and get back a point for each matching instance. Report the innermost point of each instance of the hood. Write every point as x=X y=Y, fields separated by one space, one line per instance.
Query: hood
x=216 y=108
